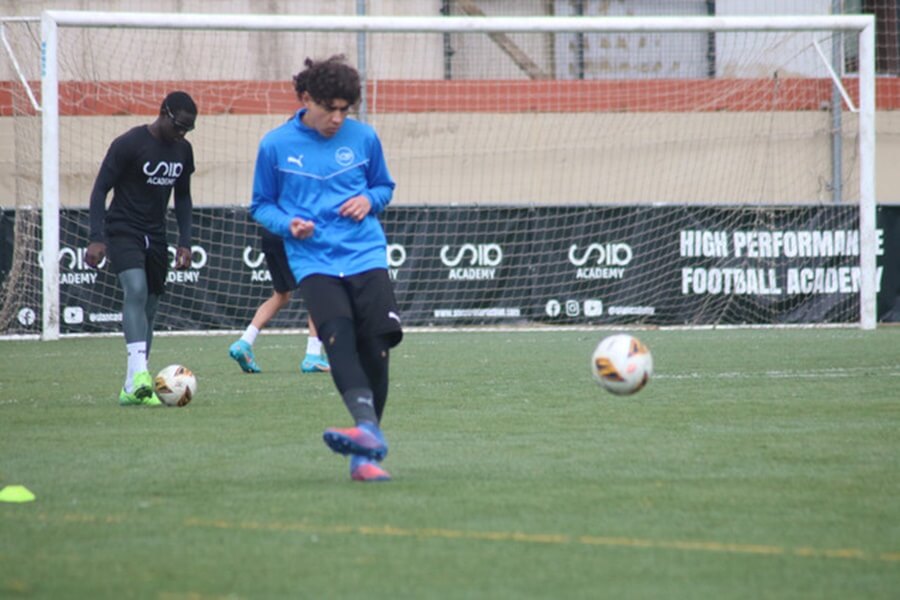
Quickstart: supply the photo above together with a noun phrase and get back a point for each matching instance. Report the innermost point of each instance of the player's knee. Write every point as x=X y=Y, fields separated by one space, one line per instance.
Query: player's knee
x=376 y=348
x=134 y=286
x=282 y=298
x=336 y=332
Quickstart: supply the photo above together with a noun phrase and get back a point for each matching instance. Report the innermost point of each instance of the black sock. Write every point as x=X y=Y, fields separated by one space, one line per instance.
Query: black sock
x=339 y=338
x=374 y=355
x=361 y=406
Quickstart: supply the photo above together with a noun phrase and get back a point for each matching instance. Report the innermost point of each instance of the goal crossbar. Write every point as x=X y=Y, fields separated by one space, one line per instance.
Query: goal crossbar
x=347 y=23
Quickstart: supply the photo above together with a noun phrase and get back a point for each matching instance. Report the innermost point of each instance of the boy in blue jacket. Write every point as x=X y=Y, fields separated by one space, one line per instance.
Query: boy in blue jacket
x=320 y=182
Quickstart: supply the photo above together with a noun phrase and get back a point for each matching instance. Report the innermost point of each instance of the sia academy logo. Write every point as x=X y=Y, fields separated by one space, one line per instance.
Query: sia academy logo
x=482 y=261
x=601 y=261
x=164 y=173
x=73 y=268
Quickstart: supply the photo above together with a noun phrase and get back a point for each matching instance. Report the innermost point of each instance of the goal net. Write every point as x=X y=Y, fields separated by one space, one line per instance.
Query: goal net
x=591 y=171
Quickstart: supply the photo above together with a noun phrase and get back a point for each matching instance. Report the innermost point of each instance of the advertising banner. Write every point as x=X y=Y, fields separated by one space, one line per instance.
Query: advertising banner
x=451 y=266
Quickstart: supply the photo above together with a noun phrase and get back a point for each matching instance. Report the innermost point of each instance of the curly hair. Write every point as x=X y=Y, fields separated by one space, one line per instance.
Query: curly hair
x=327 y=80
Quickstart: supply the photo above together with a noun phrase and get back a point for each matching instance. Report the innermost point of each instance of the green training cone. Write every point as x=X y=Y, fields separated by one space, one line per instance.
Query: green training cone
x=16 y=493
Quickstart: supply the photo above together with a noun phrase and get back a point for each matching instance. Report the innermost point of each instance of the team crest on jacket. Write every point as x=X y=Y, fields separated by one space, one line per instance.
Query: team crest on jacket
x=343 y=156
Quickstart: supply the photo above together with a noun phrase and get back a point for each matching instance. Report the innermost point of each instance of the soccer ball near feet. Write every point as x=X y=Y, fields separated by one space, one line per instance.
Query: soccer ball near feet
x=622 y=364
x=175 y=385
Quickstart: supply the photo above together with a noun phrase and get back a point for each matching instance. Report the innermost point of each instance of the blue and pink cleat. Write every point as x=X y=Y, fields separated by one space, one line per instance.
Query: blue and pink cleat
x=363 y=440
x=365 y=469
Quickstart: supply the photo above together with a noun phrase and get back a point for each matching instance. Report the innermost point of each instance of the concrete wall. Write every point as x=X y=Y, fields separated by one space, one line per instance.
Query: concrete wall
x=513 y=159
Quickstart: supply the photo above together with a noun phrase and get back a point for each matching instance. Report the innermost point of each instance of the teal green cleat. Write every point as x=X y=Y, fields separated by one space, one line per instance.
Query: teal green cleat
x=242 y=352
x=315 y=363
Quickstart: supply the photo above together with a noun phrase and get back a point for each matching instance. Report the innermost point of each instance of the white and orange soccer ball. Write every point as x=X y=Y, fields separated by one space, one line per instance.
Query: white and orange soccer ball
x=622 y=364
x=175 y=385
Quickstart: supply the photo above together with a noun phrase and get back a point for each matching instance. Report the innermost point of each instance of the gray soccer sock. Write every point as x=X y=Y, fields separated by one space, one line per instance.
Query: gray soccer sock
x=134 y=306
x=152 y=306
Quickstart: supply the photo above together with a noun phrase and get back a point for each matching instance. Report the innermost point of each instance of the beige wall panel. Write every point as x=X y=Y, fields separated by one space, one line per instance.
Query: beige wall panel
x=605 y=158
x=887 y=157
x=509 y=159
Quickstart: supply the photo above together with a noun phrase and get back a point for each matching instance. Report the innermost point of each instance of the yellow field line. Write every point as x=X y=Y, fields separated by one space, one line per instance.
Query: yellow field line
x=506 y=536
x=555 y=539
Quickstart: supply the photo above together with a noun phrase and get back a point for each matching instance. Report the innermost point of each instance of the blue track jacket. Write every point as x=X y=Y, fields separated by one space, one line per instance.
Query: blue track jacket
x=300 y=173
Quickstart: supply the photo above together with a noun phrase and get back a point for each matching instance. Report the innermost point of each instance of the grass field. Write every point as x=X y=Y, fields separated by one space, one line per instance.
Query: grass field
x=756 y=464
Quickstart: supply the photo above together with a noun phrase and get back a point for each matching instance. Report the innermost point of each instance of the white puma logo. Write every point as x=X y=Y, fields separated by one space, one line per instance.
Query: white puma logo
x=297 y=160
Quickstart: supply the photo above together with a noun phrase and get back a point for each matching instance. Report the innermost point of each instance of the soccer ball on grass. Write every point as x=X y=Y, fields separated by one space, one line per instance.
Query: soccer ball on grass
x=175 y=385
x=621 y=364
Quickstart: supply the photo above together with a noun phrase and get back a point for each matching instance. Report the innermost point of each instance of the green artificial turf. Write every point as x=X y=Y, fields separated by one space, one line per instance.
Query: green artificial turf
x=756 y=464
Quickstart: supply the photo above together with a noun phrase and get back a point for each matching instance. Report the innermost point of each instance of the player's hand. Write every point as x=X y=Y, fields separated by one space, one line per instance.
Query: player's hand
x=96 y=252
x=356 y=208
x=301 y=228
x=182 y=258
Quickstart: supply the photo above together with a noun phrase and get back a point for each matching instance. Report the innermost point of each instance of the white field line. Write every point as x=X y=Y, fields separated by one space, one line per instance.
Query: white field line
x=476 y=329
x=832 y=373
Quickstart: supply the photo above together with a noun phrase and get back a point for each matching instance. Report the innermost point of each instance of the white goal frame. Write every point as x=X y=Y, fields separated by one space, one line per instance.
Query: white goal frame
x=52 y=20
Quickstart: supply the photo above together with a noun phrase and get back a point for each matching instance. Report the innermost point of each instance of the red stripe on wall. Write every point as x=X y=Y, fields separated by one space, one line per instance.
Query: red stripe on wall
x=494 y=96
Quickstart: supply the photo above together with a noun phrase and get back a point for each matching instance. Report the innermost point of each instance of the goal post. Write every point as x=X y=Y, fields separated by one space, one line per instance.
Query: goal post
x=50 y=176
x=500 y=100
